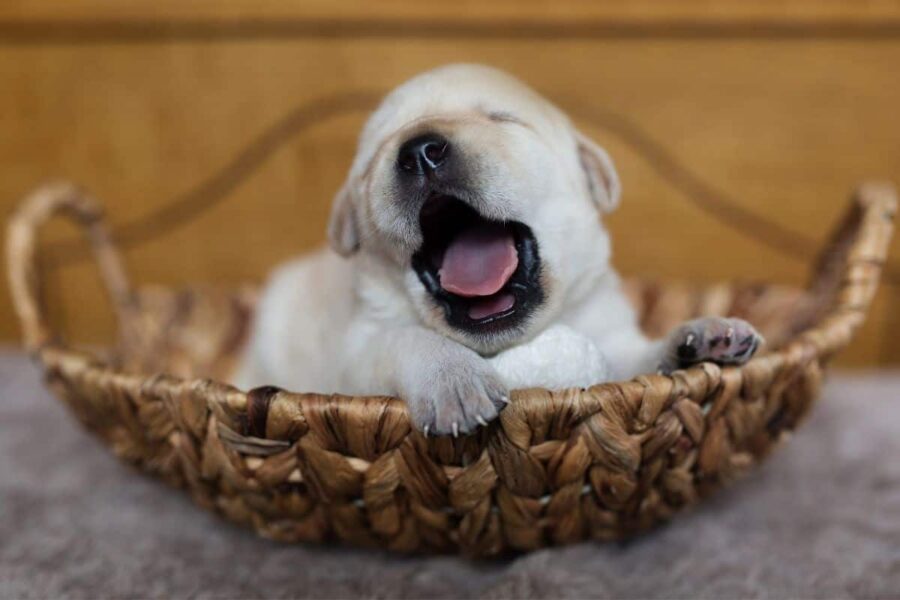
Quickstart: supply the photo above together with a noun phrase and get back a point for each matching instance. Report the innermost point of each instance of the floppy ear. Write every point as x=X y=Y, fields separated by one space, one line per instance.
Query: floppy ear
x=602 y=178
x=343 y=228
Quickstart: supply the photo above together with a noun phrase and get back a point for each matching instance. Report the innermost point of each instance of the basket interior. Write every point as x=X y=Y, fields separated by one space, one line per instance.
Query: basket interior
x=201 y=331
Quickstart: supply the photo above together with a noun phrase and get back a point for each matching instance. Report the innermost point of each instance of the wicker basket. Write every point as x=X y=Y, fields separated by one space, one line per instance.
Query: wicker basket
x=556 y=467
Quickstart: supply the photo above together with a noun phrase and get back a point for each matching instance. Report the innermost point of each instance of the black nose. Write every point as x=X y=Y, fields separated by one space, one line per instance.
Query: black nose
x=423 y=154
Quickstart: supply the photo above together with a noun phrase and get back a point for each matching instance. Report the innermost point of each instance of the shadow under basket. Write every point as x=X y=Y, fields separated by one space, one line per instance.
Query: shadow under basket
x=554 y=468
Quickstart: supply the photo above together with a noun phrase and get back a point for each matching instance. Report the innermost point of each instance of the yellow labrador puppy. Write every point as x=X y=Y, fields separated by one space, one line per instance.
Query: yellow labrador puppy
x=468 y=257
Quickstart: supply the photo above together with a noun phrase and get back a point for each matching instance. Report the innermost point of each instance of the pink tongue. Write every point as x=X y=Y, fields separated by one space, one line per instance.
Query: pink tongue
x=479 y=261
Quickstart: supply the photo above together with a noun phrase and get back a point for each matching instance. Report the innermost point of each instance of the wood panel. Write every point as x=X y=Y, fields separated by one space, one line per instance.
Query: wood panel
x=717 y=12
x=780 y=127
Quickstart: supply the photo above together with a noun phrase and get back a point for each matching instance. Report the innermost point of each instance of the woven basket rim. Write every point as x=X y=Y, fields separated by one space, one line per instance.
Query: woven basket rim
x=861 y=239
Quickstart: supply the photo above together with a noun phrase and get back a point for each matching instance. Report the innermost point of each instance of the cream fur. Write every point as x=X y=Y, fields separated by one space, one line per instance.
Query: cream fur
x=364 y=324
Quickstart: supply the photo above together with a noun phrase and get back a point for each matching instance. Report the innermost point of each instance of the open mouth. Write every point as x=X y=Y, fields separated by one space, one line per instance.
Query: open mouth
x=485 y=274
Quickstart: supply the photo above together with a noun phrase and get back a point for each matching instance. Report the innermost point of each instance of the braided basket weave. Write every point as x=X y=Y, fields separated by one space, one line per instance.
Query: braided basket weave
x=556 y=467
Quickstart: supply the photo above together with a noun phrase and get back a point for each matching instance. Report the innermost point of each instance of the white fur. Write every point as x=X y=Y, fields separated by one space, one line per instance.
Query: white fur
x=558 y=358
x=365 y=324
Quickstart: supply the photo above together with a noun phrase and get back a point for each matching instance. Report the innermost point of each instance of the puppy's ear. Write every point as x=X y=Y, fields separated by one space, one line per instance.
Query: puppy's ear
x=343 y=226
x=602 y=178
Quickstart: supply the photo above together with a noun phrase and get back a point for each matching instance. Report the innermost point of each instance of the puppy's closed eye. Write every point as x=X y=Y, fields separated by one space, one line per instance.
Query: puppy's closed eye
x=501 y=116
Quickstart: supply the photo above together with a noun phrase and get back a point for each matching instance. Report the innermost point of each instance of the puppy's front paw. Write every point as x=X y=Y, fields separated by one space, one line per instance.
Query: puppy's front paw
x=714 y=339
x=557 y=359
x=453 y=394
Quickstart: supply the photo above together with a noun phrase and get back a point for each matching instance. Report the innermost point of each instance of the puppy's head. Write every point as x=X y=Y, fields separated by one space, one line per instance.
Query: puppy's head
x=482 y=200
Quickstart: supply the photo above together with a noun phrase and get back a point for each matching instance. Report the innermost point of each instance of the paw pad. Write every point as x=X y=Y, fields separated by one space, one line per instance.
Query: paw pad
x=713 y=339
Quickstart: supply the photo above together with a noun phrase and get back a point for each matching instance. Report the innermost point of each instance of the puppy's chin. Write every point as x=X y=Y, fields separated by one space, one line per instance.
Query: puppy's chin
x=482 y=279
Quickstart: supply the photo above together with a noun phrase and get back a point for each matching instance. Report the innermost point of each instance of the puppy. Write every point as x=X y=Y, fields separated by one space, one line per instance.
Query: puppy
x=468 y=257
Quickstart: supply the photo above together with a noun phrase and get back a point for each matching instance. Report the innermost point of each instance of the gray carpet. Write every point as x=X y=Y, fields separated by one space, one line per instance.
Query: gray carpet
x=820 y=520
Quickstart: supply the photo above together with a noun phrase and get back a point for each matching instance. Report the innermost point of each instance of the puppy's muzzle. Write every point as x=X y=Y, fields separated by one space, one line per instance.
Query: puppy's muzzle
x=423 y=154
x=485 y=274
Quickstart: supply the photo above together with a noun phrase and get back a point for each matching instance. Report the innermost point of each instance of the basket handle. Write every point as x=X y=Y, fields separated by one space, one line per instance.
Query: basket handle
x=848 y=269
x=35 y=210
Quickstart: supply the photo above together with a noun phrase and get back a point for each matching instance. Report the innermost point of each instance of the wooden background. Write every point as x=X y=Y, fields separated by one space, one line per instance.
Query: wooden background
x=216 y=133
